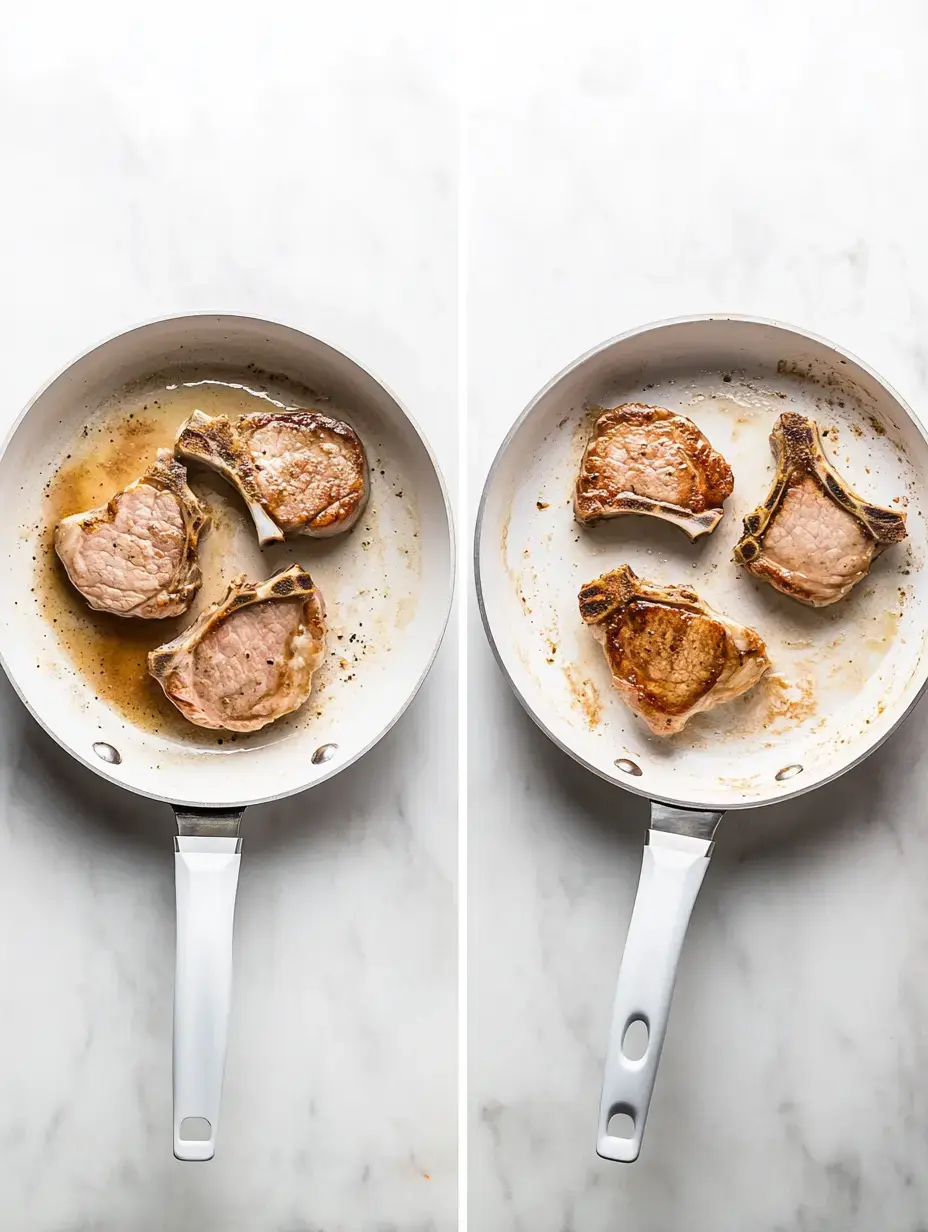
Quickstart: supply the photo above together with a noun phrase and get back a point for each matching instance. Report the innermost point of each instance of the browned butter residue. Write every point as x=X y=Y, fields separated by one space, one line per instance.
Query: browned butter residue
x=886 y=631
x=788 y=702
x=584 y=694
x=112 y=449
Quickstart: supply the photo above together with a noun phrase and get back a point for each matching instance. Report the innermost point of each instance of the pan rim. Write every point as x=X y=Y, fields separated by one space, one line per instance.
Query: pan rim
x=450 y=569
x=636 y=331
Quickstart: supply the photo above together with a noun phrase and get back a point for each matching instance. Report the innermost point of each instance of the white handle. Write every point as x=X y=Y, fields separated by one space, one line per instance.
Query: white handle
x=671 y=873
x=205 y=878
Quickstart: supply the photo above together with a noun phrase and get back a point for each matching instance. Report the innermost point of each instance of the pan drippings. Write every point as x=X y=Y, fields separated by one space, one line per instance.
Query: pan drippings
x=114 y=447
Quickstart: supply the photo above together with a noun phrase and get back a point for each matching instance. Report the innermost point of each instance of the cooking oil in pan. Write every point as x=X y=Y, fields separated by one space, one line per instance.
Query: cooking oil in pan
x=113 y=448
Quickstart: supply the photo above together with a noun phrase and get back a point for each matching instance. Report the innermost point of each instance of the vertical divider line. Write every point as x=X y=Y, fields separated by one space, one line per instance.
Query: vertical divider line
x=464 y=582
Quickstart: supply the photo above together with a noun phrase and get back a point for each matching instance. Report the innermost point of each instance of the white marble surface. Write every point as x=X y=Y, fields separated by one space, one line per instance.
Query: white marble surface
x=297 y=162
x=753 y=158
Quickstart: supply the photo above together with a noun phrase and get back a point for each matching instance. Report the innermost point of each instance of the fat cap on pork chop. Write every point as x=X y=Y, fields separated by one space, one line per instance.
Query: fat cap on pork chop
x=248 y=659
x=671 y=655
x=645 y=459
x=137 y=555
x=299 y=472
x=813 y=538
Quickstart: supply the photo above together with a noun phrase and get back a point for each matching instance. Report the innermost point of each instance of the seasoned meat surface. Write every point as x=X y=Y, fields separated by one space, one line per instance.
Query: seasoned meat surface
x=645 y=459
x=137 y=555
x=671 y=655
x=249 y=659
x=813 y=538
x=299 y=472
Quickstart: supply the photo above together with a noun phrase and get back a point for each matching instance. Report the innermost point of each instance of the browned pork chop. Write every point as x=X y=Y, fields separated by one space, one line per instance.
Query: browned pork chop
x=645 y=459
x=249 y=659
x=813 y=538
x=670 y=654
x=137 y=555
x=299 y=472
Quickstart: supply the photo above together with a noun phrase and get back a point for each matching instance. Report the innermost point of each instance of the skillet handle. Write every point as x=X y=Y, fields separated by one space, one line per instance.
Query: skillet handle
x=205 y=879
x=671 y=873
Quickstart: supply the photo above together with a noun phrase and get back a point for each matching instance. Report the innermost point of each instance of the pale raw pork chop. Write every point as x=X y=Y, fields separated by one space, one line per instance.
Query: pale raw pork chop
x=671 y=655
x=645 y=459
x=299 y=472
x=813 y=538
x=248 y=659
x=137 y=555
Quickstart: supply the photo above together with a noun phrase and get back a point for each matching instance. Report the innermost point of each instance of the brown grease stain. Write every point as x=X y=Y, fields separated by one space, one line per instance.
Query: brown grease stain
x=584 y=695
x=789 y=702
x=886 y=632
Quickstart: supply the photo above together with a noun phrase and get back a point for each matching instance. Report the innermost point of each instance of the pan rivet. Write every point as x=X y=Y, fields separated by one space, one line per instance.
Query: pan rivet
x=325 y=752
x=629 y=767
x=788 y=772
x=106 y=752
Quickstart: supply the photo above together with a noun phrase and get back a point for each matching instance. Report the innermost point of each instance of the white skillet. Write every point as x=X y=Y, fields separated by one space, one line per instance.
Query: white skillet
x=846 y=676
x=409 y=564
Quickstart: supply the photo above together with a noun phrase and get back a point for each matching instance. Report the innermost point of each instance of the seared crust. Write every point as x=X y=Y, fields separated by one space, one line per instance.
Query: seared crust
x=670 y=654
x=801 y=459
x=284 y=494
x=342 y=512
x=646 y=459
x=611 y=593
x=171 y=664
x=213 y=441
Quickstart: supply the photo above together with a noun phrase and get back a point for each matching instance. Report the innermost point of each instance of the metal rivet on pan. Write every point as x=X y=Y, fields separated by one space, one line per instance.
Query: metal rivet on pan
x=106 y=752
x=325 y=752
x=788 y=772
x=628 y=767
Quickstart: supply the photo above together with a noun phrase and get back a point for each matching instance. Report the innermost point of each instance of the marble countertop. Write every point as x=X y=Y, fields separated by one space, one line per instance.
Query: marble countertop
x=173 y=159
x=683 y=159
x=686 y=159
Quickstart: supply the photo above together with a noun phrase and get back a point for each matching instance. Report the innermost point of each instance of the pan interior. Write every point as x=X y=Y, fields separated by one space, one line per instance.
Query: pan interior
x=386 y=583
x=842 y=676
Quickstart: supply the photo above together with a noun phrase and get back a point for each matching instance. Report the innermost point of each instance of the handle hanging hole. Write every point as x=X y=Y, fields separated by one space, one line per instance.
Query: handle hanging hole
x=195 y=1129
x=635 y=1040
x=621 y=1125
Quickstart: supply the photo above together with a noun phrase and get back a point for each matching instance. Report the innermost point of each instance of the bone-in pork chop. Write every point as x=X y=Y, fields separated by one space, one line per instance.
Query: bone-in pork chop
x=645 y=459
x=299 y=472
x=137 y=555
x=813 y=538
x=249 y=659
x=671 y=655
